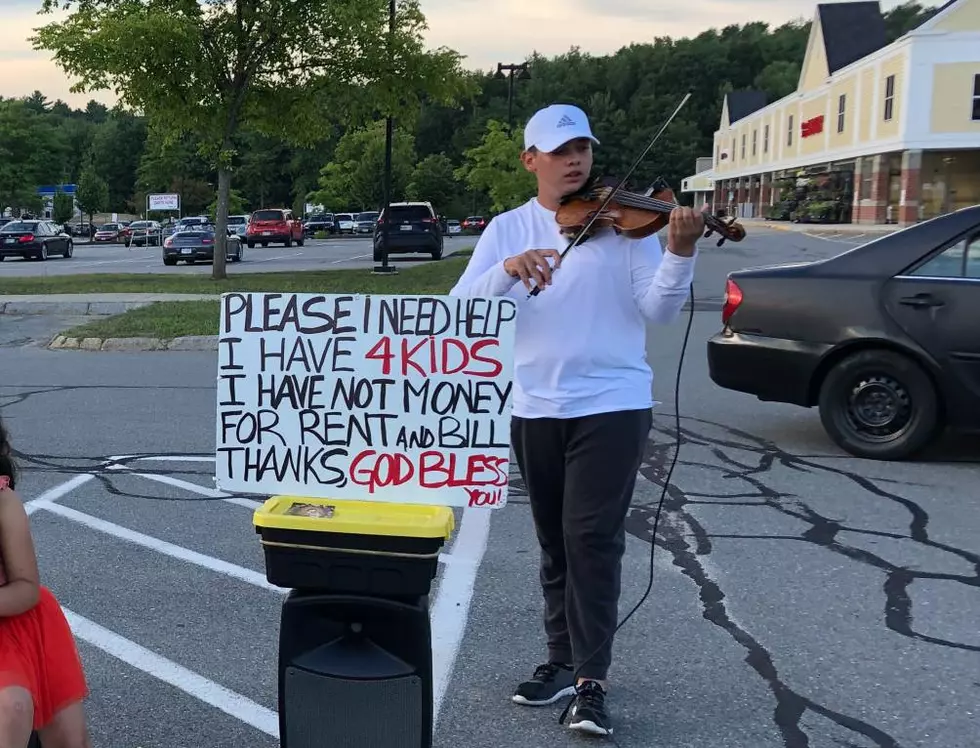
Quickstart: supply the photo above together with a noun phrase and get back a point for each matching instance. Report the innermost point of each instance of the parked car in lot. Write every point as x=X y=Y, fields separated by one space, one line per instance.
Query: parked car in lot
x=412 y=227
x=144 y=234
x=453 y=226
x=318 y=222
x=196 y=244
x=364 y=222
x=474 y=223
x=274 y=226
x=345 y=223
x=239 y=224
x=884 y=339
x=111 y=233
x=36 y=240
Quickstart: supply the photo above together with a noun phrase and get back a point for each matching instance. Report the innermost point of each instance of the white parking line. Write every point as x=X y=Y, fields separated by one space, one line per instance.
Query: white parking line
x=229 y=702
x=348 y=259
x=53 y=494
x=202 y=490
x=452 y=605
x=161 y=546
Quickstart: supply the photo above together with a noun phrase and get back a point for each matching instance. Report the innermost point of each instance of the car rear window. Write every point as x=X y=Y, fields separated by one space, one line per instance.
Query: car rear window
x=409 y=213
x=268 y=215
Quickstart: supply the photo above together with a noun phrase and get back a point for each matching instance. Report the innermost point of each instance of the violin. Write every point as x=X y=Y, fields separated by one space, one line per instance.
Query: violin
x=629 y=213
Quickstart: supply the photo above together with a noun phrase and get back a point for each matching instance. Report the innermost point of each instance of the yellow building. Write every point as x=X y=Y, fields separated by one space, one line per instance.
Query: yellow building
x=886 y=132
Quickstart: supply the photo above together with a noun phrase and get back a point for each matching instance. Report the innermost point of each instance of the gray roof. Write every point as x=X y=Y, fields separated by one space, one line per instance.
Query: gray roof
x=743 y=103
x=851 y=31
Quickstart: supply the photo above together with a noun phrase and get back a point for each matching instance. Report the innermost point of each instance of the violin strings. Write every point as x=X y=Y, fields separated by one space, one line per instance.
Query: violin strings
x=632 y=200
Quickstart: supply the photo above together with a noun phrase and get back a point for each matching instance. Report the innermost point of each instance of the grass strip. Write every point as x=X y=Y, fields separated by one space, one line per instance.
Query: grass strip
x=432 y=277
x=174 y=319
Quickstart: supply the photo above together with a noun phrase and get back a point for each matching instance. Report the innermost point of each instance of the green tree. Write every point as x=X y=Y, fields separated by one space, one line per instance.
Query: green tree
x=92 y=193
x=116 y=148
x=354 y=178
x=63 y=207
x=494 y=167
x=236 y=205
x=31 y=154
x=288 y=68
x=433 y=180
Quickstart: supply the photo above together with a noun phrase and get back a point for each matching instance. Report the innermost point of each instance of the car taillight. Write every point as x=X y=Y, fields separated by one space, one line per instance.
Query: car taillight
x=733 y=298
x=207 y=241
x=168 y=242
x=27 y=238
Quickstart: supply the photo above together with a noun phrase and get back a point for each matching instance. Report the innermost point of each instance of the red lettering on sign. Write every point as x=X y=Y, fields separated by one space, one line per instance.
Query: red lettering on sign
x=438 y=356
x=376 y=470
x=484 y=498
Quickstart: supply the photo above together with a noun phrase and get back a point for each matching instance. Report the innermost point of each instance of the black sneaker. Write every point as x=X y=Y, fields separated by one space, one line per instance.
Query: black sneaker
x=587 y=711
x=549 y=683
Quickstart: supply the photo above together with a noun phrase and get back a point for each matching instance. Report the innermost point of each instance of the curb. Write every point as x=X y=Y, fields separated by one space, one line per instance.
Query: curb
x=79 y=308
x=136 y=345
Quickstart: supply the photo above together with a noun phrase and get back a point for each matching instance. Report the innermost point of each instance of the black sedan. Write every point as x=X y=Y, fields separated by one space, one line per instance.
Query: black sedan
x=196 y=244
x=884 y=338
x=36 y=240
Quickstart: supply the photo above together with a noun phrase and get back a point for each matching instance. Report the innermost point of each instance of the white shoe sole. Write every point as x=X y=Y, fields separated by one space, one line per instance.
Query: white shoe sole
x=590 y=727
x=570 y=691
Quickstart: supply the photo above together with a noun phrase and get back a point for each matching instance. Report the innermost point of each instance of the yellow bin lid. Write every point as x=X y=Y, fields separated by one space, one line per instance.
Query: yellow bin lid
x=355 y=517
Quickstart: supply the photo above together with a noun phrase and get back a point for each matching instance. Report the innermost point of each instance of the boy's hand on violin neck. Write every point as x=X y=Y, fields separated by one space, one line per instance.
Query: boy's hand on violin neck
x=685 y=228
x=533 y=264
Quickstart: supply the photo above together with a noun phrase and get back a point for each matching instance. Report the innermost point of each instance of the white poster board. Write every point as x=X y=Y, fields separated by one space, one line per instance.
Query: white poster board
x=380 y=398
x=163 y=202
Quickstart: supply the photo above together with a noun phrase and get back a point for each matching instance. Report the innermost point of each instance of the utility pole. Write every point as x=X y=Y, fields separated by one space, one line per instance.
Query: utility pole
x=384 y=267
x=522 y=74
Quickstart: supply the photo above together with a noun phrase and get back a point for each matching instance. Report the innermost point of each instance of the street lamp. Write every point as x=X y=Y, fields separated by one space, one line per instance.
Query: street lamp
x=523 y=74
x=384 y=267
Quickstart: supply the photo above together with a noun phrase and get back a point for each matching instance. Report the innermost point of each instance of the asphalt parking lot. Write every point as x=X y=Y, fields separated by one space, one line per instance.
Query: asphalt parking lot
x=315 y=254
x=801 y=598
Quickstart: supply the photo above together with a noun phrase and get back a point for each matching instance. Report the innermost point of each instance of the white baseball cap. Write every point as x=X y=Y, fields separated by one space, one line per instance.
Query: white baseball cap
x=552 y=127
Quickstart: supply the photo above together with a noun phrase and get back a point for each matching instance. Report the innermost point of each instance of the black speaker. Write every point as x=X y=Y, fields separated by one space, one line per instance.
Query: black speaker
x=355 y=672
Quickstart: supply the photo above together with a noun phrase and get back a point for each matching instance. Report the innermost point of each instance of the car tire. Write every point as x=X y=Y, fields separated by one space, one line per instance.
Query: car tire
x=69 y=250
x=880 y=405
x=250 y=245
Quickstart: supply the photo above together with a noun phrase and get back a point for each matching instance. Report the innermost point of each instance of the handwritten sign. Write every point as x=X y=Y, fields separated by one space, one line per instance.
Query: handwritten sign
x=383 y=398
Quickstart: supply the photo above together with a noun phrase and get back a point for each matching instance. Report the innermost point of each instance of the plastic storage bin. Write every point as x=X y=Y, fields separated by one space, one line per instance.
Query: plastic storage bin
x=352 y=547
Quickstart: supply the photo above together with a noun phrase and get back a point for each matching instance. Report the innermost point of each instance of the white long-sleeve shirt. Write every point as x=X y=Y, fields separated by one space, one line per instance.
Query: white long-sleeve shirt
x=580 y=344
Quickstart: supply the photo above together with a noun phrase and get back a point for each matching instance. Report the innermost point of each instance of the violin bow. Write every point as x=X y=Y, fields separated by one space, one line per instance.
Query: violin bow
x=605 y=203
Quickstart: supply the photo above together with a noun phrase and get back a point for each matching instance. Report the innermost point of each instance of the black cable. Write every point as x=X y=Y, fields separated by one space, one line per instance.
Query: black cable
x=660 y=503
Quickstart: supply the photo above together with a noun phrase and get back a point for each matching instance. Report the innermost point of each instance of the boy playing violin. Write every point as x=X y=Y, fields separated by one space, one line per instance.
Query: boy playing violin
x=582 y=396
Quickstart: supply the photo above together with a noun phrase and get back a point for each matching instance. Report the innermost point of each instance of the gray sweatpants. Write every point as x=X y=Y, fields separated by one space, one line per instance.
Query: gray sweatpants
x=580 y=475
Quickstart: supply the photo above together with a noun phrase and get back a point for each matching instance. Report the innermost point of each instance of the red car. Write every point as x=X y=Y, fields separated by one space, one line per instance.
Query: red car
x=274 y=226
x=474 y=223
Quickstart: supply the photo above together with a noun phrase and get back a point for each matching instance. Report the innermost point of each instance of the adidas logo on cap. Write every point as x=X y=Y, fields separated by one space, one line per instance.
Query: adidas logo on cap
x=554 y=125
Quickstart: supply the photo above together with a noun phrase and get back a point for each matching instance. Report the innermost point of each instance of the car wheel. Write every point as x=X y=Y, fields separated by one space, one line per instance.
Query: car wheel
x=250 y=245
x=880 y=405
x=43 y=254
x=169 y=261
x=69 y=250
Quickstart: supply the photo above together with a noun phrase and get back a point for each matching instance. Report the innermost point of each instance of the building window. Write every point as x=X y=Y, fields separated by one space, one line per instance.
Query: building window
x=976 y=98
x=755 y=142
x=841 y=106
x=789 y=131
x=743 y=148
x=765 y=137
x=733 y=149
x=889 y=97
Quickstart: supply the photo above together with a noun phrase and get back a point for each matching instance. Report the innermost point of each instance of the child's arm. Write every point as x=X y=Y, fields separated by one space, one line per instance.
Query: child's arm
x=21 y=591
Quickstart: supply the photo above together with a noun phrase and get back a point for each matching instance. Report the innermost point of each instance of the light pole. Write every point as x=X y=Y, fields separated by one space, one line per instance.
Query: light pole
x=523 y=74
x=384 y=267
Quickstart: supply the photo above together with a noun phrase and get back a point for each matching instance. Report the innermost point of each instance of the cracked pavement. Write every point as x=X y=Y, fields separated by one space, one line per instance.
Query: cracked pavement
x=800 y=597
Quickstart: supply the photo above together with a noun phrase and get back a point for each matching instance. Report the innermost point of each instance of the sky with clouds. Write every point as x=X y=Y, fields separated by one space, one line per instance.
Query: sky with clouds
x=485 y=31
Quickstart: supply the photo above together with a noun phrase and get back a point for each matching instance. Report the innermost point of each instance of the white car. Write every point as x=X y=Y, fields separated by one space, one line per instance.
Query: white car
x=345 y=223
x=238 y=224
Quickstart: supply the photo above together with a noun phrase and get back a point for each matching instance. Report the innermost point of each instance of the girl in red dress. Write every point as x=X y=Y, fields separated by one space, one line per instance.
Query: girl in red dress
x=41 y=680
